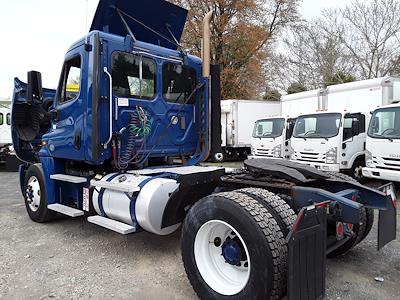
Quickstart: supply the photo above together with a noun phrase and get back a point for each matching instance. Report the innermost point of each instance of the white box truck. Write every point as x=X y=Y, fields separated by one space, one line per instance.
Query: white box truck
x=334 y=138
x=5 y=123
x=237 y=123
x=271 y=135
x=8 y=159
x=383 y=142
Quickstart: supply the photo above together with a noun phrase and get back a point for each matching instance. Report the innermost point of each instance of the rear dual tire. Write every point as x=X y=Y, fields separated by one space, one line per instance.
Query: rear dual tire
x=249 y=232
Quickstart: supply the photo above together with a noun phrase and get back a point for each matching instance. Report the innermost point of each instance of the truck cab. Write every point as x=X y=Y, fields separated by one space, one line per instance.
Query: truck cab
x=271 y=137
x=129 y=97
x=383 y=144
x=331 y=141
x=119 y=92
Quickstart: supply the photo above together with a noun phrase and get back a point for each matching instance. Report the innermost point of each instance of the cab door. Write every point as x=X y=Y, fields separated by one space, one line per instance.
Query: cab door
x=354 y=137
x=66 y=139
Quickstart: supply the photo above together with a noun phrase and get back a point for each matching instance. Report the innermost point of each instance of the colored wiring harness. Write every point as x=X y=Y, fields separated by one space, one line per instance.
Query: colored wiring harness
x=139 y=128
x=140 y=123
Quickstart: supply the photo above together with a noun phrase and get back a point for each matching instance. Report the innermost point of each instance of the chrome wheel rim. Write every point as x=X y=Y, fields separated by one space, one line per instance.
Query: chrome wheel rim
x=33 y=193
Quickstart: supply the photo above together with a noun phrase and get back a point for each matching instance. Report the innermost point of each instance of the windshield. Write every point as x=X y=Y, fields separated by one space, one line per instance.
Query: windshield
x=385 y=123
x=317 y=126
x=270 y=128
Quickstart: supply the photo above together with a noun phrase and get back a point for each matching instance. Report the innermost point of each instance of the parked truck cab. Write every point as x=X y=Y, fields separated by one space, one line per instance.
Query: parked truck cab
x=383 y=144
x=128 y=98
x=331 y=141
x=115 y=89
x=271 y=137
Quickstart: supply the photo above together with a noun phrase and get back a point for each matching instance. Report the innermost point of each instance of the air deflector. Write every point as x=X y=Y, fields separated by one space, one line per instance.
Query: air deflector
x=161 y=16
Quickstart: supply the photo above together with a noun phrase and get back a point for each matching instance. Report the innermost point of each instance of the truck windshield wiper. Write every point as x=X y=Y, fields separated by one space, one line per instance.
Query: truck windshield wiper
x=316 y=135
x=383 y=137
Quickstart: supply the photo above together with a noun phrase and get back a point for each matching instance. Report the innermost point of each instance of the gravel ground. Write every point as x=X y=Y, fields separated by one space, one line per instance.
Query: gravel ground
x=71 y=259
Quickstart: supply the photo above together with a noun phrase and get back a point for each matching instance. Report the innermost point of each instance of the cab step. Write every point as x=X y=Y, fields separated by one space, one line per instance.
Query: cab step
x=66 y=210
x=68 y=178
x=113 y=225
x=115 y=186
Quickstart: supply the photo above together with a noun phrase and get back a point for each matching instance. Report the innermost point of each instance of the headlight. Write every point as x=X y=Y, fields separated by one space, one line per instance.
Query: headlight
x=331 y=156
x=277 y=151
x=368 y=159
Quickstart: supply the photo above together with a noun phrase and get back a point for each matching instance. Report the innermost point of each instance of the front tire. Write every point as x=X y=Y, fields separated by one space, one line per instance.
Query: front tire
x=233 y=248
x=35 y=195
x=356 y=171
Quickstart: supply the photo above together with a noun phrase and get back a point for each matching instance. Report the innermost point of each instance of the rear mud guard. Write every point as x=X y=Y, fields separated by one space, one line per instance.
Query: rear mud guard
x=307 y=254
x=387 y=226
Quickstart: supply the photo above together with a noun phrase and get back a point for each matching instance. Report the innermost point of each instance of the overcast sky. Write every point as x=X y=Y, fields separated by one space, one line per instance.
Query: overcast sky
x=36 y=34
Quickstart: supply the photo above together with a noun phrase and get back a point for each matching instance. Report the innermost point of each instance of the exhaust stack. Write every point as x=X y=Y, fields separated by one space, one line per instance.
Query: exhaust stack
x=205 y=55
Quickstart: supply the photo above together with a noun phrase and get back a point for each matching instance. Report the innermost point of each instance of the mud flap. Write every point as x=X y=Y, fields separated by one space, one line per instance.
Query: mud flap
x=387 y=225
x=307 y=254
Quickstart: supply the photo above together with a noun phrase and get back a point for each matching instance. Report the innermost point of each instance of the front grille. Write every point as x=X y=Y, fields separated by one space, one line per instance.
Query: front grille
x=391 y=159
x=387 y=168
x=308 y=153
x=386 y=163
x=310 y=157
x=312 y=161
x=264 y=152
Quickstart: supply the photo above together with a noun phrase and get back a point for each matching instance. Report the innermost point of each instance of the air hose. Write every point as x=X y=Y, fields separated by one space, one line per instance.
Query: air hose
x=139 y=128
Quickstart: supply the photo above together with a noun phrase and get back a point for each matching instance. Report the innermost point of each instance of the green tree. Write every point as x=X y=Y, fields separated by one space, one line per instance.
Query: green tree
x=339 y=78
x=241 y=32
x=296 y=88
x=272 y=95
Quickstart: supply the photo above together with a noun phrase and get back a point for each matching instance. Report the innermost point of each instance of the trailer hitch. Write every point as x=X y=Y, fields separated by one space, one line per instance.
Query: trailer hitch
x=344 y=206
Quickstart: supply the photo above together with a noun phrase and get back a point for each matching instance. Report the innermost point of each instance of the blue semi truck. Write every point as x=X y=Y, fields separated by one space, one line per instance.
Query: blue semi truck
x=121 y=142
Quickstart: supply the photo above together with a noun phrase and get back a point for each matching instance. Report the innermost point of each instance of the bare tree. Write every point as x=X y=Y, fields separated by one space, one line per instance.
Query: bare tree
x=357 y=42
x=370 y=31
x=310 y=56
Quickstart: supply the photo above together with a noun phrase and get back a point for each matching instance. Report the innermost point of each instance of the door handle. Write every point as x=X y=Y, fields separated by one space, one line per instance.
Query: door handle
x=111 y=109
x=77 y=140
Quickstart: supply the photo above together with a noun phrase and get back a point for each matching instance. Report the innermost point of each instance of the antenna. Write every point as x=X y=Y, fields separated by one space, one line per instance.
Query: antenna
x=86 y=22
x=87 y=13
x=347 y=104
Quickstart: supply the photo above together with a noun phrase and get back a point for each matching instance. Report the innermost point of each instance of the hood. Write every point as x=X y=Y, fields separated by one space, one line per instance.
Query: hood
x=150 y=17
x=384 y=148
x=314 y=145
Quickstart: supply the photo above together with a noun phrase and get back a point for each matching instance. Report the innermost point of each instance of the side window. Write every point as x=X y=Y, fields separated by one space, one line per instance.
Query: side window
x=1 y=119
x=133 y=76
x=348 y=125
x=178 y=83
x=362 y=123
x=8 y=119
x=289 y=129
x=348 y=128
x=71 y=80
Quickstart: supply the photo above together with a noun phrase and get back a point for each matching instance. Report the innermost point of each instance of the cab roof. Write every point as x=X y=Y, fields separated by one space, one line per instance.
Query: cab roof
x=151 y=21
